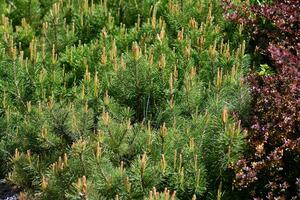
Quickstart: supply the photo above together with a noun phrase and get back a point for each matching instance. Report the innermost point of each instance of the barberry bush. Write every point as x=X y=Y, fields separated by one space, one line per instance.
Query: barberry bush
x=121 y=99
x=270 y=168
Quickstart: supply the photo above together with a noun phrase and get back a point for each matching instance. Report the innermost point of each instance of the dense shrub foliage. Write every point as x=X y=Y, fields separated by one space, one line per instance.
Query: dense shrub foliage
x=271 y=167
x=120 y=99
x=275 y=22
x=274 y=133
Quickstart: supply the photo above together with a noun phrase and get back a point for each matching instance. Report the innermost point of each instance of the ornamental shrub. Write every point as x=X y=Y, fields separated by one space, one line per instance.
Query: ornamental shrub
x=120 y=99
x=270 y=169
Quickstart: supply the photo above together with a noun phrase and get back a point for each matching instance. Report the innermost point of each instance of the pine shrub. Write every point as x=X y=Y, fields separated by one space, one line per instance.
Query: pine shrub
x=120 y=99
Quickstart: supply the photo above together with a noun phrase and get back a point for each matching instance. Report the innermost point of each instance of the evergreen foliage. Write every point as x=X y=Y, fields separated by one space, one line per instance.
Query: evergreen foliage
x=120 y=99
